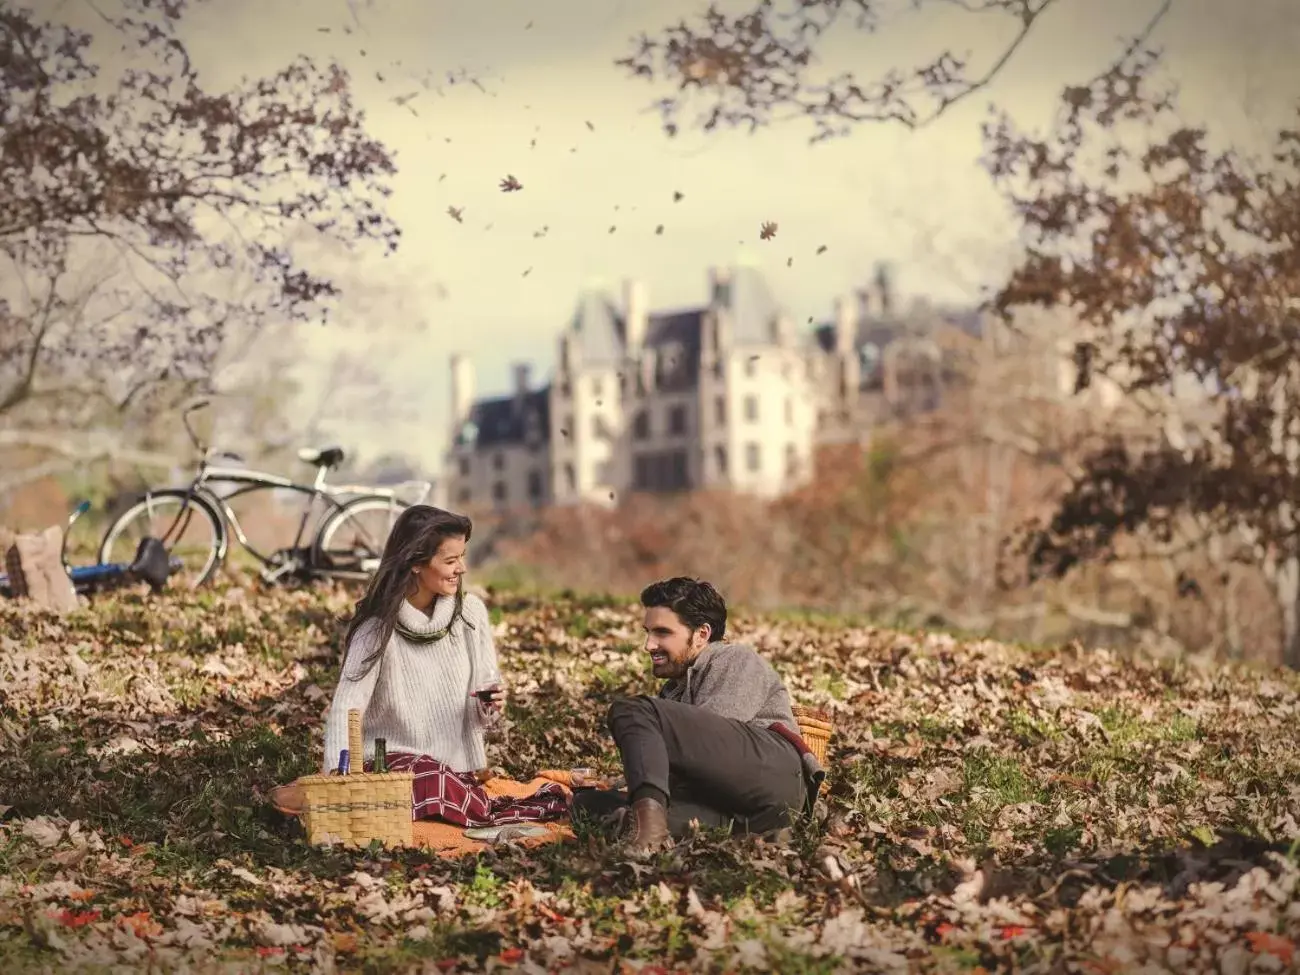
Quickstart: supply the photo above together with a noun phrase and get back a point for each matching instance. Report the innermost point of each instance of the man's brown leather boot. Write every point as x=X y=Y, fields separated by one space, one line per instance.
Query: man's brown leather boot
x=649 y=828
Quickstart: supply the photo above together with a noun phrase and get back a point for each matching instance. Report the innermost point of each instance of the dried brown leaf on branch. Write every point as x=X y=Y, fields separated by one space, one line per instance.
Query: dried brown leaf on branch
x=105 y=217
x=510 y=185
x=1179 y=263
x=767 y=231
x=762 y=64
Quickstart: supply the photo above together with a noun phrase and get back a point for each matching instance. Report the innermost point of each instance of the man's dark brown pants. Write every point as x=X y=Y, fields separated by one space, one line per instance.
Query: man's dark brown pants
x=717 y=771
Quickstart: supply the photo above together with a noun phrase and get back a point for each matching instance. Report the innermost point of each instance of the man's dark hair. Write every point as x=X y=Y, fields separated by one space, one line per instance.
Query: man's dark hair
x=695 y=601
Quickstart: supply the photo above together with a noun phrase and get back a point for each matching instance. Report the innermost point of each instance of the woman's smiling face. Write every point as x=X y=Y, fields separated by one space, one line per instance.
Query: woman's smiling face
x=441 y=575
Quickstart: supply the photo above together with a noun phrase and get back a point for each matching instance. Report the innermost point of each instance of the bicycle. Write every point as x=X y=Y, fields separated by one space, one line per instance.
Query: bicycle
x=151 y=565
x=328 y=554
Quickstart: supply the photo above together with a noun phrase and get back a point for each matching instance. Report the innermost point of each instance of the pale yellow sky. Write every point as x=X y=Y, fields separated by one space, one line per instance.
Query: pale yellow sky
x=920 y=200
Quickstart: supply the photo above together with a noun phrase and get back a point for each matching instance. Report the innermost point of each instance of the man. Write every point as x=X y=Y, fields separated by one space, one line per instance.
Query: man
x=719 y=745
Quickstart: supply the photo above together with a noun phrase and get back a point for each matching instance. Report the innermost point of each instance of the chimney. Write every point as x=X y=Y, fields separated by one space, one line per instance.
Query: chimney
x=462 y=389
x=864 y=303
x=636 y=313
x=719 y=278
x=846 y=325
x=784 y=330
x=521 y=379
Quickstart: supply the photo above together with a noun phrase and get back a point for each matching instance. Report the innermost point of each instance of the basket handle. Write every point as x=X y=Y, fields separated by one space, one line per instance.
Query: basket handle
x=355 y=754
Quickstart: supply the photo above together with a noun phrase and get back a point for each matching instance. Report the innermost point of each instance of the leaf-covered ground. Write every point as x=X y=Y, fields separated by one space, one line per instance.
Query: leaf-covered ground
x=993 y=808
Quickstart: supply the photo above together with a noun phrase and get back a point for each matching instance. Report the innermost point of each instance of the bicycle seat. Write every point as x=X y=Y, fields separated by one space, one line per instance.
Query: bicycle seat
x=322 y=456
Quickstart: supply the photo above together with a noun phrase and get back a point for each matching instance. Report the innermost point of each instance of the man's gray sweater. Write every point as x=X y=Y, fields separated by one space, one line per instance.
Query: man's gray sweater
x=732 y=680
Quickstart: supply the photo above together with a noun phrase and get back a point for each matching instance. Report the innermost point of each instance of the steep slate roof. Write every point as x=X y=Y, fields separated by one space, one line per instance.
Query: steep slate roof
x=753 y=309
x=600 y=337
x=881 y=330
x=600 y=329
x=502 y=421
x=602 y=332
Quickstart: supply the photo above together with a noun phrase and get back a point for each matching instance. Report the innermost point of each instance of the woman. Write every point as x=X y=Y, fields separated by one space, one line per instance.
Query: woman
x=418 y=649
x=421 y=667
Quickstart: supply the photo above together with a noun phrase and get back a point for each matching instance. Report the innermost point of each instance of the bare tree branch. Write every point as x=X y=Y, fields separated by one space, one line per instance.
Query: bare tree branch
x=757 y=68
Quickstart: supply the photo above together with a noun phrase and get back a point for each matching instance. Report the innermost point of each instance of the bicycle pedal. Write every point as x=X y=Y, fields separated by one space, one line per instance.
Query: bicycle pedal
x=279 y=572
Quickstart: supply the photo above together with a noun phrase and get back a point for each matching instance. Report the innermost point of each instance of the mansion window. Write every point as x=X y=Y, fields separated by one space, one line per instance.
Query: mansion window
x=641 y=425
x=660 y=471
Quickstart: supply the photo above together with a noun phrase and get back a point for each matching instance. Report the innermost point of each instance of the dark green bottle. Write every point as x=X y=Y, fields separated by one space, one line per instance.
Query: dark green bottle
x=381 y=755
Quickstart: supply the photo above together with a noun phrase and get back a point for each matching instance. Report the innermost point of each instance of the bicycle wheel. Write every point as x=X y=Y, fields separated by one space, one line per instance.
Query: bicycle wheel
x=351 y=539
x=190 y=527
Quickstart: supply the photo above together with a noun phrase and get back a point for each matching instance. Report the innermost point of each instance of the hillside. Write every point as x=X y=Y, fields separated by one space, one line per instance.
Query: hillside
x=1066 y=810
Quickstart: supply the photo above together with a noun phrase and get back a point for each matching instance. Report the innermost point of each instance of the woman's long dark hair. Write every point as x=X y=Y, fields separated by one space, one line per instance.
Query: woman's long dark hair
x=417 y=535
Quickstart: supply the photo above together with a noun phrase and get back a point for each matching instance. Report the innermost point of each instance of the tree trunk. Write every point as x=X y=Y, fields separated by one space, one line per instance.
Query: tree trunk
x=1286 y=583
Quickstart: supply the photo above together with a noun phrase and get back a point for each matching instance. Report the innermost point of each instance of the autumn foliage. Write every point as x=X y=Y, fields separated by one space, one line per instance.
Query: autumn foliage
x=1062 y=807
x=145 y=215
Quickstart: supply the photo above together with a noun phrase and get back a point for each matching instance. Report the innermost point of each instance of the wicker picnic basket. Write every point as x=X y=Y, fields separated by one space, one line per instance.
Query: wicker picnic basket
x=815 y=727
x=356 y=808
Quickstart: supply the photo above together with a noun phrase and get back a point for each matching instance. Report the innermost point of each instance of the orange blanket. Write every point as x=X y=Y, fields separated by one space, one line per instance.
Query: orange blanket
x=448 y=840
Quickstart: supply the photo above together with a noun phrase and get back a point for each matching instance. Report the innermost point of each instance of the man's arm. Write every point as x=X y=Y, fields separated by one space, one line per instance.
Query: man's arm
x=735 y=684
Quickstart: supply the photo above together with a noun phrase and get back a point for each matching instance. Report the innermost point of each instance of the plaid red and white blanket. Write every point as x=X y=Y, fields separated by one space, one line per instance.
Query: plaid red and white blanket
x=457 y=797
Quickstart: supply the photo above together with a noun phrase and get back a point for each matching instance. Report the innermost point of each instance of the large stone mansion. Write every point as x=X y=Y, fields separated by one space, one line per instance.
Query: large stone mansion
x=727 y=395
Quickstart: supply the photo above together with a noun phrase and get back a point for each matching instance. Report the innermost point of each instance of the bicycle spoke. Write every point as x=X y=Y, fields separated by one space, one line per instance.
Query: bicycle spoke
x=352 y=541
x=186 y=531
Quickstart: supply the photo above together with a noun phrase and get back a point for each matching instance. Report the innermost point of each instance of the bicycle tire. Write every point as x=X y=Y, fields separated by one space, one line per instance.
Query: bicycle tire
x=337 y=519
x=197 y=501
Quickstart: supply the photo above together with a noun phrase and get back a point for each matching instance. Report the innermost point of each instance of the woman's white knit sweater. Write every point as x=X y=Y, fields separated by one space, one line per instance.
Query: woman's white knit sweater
x=417 y=695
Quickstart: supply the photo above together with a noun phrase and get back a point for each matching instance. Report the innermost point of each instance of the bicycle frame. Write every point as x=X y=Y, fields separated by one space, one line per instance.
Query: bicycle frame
x=334 y=496
x=253 y=481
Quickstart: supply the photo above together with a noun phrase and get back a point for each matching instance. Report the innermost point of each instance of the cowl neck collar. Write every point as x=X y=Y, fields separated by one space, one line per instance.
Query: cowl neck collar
x=420 y=627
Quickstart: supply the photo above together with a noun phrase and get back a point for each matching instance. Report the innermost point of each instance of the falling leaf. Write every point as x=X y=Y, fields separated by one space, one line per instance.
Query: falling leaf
x=659 y=229
x=789 y=262
x=612 y=229
x=678 y=195
x=821 y=249
x=527 y=272
x=767 y=231
x=456 y=213
x=591 y=127
x=510 y=185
